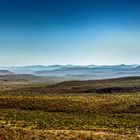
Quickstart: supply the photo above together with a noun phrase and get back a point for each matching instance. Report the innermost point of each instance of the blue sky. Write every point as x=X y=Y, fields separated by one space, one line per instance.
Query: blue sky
x=69 y=32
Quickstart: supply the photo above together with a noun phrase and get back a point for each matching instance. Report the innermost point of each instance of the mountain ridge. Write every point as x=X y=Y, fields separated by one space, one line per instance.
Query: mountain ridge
x=78 y=72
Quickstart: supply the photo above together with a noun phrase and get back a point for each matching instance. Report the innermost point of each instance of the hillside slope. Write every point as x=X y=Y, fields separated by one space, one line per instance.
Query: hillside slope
x=26 y=78
x=119 y=85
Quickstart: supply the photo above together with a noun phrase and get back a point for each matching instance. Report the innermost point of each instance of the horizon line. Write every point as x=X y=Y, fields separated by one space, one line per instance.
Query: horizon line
x=67 y=65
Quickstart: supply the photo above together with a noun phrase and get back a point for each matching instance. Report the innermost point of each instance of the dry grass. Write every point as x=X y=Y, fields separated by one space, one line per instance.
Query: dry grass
x=26 y=113
x=107 y=103
x=18 y=134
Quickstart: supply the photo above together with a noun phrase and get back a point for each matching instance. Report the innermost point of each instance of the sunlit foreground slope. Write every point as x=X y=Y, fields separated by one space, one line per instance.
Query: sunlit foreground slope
x=98 y=116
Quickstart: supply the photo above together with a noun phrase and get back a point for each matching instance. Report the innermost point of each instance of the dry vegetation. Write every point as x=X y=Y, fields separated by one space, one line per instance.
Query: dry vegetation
x=28 y=114
x=105 y=103
x=70 y=117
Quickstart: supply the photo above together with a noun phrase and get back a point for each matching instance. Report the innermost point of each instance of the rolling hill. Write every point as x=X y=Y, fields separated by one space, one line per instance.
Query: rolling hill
x=5 y=72
x=27 y=79
x=118 y=85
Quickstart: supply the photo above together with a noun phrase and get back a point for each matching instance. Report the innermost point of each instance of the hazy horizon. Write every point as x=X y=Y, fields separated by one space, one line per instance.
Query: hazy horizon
x=69 y=65
x=82 y=32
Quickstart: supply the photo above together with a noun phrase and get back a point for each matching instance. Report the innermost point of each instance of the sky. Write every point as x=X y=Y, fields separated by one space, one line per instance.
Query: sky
x=47 y=32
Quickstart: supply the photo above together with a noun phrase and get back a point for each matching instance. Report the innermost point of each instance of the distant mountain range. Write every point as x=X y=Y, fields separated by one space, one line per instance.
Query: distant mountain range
x=76 y=72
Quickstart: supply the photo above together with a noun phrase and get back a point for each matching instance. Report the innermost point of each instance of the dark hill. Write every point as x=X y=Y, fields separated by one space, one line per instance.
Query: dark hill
x=138 y=67
x=5 y=72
